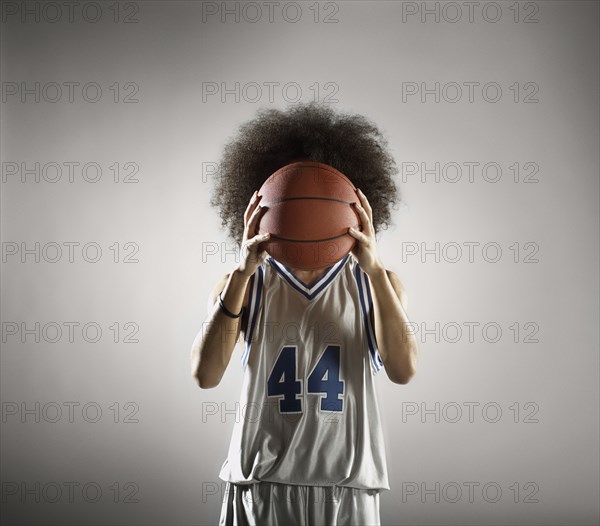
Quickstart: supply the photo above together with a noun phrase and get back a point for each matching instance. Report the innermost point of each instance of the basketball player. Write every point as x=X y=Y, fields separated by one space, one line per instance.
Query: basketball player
x=307 y=446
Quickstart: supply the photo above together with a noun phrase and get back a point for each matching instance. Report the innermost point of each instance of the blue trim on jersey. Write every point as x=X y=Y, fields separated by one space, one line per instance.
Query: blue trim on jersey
x=248 y=316
x=299 y=285
x=376 y=361
x=253 y=302
x=372 y=321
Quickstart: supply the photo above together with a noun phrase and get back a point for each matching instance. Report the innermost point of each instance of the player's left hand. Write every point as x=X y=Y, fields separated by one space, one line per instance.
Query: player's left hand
x=365 y=249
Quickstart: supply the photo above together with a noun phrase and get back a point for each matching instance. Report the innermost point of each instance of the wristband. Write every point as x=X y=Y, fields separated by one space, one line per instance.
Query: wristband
x=226 y=311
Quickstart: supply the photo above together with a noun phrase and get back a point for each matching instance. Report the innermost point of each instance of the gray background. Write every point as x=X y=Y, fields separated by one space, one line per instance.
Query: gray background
x=545 y=463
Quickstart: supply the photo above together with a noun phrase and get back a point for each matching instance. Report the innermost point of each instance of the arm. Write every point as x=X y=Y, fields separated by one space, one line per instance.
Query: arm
x=213 y=346
x=396 y=343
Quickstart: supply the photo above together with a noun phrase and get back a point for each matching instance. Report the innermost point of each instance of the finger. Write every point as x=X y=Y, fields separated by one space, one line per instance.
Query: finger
x=364 y=218
x=259 y=238
x=250 y=208
x=252 y=222
x=365 y=203
x=251 y=201
x=251 y=205
x=358 y=235
x=253 y=244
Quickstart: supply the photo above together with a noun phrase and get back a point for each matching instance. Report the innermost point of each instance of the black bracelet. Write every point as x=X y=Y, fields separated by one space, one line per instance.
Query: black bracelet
x=227 y=311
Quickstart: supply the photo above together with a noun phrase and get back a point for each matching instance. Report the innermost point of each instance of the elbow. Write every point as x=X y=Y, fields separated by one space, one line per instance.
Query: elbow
x=401 y=377
x=402 y=374
x=204 y=381
x=201 y=374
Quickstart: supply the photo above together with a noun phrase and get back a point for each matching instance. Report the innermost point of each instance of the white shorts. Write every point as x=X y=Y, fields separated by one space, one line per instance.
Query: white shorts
x=273 y=504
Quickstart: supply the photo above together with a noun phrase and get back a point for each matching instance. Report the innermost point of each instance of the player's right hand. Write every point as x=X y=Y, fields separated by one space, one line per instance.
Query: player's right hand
x=251 y=254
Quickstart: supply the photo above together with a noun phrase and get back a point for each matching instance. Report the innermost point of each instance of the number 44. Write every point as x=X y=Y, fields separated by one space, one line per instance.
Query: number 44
x=324 y=379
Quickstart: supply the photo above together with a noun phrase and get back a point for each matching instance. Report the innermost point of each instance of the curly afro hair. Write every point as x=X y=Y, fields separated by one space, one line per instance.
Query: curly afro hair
x=350 y=143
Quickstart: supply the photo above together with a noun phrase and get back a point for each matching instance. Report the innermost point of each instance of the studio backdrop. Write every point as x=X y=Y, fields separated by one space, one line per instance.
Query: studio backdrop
x=114 y=118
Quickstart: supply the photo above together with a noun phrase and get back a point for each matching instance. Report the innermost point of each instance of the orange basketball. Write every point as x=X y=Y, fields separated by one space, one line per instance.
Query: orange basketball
x=308 y=215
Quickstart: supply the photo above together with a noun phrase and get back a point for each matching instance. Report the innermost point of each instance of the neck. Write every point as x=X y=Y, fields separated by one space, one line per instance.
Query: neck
x=308 y=276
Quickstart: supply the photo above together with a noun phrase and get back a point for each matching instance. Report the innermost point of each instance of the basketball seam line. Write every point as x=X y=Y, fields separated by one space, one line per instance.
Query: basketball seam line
x=319 y=166
x=273 y=236
x=282 y=199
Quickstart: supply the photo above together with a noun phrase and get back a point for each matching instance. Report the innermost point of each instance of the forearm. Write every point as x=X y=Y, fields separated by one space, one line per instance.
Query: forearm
x=396 y=342
x=214 y=344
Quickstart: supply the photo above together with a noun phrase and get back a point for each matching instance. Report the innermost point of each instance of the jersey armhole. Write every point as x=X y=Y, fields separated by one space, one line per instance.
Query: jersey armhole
x=251 y=312
x=366 y=305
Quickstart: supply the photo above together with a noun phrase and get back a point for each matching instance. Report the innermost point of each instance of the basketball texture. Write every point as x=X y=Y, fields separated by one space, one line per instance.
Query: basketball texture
x=308 y=213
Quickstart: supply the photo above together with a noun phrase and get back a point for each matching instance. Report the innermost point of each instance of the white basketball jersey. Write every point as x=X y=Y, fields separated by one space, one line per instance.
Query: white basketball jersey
x=308 y=412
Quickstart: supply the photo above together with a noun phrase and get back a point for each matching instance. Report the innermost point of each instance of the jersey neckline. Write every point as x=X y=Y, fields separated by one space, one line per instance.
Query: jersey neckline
x=309 y=292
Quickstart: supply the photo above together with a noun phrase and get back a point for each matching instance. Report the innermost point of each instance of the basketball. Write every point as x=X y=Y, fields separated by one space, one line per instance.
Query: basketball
x=309 y=210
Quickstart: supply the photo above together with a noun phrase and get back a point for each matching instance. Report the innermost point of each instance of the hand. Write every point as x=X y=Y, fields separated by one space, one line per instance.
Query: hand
x=251 y=256
x=365 y=249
